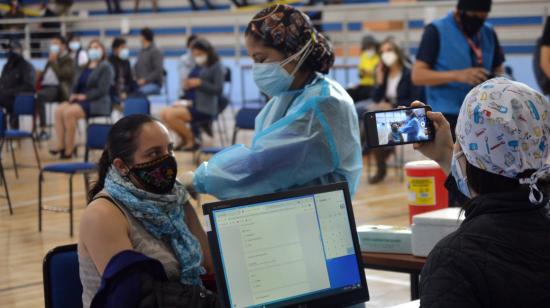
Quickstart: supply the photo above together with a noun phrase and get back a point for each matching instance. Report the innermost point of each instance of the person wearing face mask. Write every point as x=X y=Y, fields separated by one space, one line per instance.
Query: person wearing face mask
x=149 y=70
x=456 y=53
x=186 y=64
x=18 y=77
x=307 y=134
x=124 y=82
x=500 y=254
x=394 y=88
x=79 y=55
x=90 y=97
x=140 y=211
x=368 y=61
x=56 y=80
x=204 y=88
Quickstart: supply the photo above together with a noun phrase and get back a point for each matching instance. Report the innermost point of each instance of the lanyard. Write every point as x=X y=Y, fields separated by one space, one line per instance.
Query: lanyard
x=478 y=52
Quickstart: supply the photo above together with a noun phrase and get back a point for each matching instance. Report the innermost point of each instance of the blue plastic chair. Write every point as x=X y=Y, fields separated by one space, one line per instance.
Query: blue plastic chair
x=96 y=140
x=62 y=287
x=24 y=105
x=244 y=120
x=137 y=105
x=2 y=176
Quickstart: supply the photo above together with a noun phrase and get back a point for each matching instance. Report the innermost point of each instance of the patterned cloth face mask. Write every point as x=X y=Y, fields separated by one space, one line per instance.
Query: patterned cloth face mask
x=157 y=176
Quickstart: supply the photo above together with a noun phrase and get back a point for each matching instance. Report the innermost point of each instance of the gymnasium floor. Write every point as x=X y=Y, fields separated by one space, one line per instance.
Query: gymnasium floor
x=22 y=247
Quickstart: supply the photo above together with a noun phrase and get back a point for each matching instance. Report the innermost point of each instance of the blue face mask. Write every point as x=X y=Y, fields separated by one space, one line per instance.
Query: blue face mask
x=55 y=49
x=460 y=177
x=272 y=79
x=95 y=54
x=124 y=54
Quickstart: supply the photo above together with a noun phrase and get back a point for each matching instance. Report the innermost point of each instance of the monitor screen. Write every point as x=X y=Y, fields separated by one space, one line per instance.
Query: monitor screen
x=289 y=250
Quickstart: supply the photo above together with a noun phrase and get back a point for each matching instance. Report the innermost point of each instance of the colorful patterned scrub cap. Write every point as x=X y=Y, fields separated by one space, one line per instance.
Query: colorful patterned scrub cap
x=503 y=128
x=287 y=29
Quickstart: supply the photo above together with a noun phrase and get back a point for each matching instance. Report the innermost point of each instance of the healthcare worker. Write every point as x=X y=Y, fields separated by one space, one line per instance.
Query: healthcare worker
x=307 y=134
x=500 y=254
x=412 y=128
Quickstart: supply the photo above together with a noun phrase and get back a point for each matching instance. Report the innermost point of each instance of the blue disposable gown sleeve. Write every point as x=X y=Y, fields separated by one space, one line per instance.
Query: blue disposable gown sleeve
x=411 y=127
x=291 y=152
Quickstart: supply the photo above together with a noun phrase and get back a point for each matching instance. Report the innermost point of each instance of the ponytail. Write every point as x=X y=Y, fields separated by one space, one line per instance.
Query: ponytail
x=102 y=168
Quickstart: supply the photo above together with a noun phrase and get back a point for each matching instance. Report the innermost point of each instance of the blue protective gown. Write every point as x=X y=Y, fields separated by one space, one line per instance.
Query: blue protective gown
x=302 y=138
x=411 y=129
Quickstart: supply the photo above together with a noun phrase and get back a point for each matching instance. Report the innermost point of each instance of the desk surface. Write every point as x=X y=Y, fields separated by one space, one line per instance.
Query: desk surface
x=405 y=262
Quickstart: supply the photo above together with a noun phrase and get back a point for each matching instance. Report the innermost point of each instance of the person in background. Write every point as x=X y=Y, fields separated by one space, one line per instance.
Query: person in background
x=186 y=64
x=56 y=80
x=412 y=126
x=500 y=254
x=153 y=2
x=204 y=88
x=542 y=68
x=140 y=209
x=63 y=7
x=368 y=62
x=395 y=136
x=114 y=8
x=14 y=31
x=307 y=134
x=393 y=78
x=78 y=54
x=124 y=82
x=18 y=77
x=394 y=88
x=90 y=96
x=149 y=70
x=207 y=3
x=456 y=53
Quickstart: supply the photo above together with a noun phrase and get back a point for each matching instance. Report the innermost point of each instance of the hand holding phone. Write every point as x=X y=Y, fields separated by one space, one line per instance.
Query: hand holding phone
x=398 y=126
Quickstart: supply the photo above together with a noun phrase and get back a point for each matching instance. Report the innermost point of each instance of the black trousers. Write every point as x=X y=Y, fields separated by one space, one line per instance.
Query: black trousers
x=48 y=94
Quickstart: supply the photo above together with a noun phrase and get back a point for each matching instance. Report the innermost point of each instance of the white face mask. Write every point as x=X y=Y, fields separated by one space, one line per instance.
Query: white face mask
x=370 y=52
x=459 y=173
x=201 y=60
x=389 y=58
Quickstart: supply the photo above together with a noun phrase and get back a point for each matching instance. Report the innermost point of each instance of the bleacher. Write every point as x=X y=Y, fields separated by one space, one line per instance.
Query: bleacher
x=518 y=24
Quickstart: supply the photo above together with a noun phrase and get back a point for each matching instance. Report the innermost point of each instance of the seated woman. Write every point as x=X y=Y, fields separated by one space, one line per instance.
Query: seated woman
x=90 y=96
x=203 y=88
x=500 y=255
x=138 y=205
x=394 y=88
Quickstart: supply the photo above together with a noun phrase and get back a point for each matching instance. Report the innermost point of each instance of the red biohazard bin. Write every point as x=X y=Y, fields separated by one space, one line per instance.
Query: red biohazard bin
x=425 y=187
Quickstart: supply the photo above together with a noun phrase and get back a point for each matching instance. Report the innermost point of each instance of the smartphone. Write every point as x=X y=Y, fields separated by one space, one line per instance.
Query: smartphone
x=398 y=126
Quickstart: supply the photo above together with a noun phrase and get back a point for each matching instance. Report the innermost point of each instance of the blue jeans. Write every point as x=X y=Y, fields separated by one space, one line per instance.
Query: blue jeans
x=150 y=89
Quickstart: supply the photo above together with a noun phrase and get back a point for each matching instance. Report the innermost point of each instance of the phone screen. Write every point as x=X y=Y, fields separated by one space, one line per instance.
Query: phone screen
x=398 y=126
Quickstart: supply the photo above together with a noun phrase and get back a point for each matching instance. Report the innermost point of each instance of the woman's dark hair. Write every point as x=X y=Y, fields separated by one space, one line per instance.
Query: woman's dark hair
x=401 y=57
x=61 y=39
x=121 y=143
x=147 y=34
x=191 y=39
x=204 y=45
x=117 y=42
x=483 y=182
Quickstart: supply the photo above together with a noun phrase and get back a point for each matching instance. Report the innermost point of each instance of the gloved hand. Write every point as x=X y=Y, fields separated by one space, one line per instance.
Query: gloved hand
x=187 y=180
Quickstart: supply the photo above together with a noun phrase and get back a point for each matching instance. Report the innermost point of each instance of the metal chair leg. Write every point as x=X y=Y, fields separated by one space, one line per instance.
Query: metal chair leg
x=5 y=183
x=10 y=144
x=40 y=201
x=71 y=204
x=36 y=154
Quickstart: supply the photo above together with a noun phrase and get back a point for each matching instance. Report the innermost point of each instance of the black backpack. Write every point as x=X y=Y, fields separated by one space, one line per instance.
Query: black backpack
x=542 y=80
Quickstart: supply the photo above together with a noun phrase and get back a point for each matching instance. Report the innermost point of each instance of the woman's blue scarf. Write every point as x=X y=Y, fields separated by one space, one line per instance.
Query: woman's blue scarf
x=163 y=217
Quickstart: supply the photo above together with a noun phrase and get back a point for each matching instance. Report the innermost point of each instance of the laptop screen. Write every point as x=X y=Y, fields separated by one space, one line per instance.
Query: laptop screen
x=288 y=250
